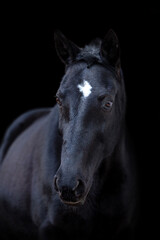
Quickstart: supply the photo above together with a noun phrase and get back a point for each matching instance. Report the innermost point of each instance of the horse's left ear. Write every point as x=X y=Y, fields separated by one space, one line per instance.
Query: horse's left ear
x=110 y=49
x=66 y=50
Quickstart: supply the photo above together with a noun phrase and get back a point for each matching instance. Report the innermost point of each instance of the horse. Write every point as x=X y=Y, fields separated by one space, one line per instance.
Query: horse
x=69 y=171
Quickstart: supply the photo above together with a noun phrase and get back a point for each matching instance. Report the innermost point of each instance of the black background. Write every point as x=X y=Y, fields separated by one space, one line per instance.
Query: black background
x=31 y=73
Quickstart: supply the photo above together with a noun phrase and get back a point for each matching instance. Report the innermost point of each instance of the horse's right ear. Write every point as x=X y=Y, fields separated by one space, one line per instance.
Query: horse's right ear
x=66 y=50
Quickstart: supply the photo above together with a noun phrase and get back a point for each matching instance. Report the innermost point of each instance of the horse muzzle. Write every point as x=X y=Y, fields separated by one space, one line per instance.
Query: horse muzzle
x=70 y=192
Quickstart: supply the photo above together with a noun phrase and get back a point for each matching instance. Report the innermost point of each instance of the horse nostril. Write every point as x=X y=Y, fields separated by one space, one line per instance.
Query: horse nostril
x=56 y=183
x=77 y=184
x=79 y=188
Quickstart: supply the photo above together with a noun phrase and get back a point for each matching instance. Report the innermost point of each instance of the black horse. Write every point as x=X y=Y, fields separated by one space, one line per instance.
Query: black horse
x=68 y=172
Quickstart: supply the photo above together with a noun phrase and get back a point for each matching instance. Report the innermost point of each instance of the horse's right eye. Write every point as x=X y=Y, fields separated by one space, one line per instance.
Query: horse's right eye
x=58 y=101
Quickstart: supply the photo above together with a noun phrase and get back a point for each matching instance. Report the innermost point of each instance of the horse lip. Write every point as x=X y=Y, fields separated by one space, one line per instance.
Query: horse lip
x=76 y=203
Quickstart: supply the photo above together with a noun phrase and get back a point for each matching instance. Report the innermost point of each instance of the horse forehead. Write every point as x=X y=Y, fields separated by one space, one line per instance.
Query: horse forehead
x=85 y=88
x=80 y=72
x=94 y=81
x=80 y=79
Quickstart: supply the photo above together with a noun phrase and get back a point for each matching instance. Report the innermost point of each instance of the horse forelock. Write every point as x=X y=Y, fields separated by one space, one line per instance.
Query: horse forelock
x=90 y=53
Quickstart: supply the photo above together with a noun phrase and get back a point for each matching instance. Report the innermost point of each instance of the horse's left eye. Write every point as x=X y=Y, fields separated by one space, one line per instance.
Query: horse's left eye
x=107 y=105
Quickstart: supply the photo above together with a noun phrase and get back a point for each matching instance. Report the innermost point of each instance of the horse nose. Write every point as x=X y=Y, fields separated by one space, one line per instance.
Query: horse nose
x=70 y=193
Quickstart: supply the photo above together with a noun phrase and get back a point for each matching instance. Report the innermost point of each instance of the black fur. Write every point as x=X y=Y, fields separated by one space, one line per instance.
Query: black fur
x=68 y=172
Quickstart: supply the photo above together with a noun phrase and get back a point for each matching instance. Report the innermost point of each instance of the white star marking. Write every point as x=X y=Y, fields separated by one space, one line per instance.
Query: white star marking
x=85 y=88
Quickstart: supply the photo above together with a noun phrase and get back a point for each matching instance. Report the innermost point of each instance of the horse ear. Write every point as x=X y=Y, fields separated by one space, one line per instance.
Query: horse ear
x=66 y=50
x=110 y=49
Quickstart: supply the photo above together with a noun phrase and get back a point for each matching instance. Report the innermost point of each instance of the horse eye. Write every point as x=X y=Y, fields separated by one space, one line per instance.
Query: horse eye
x=108 y=105
x=58 y=101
